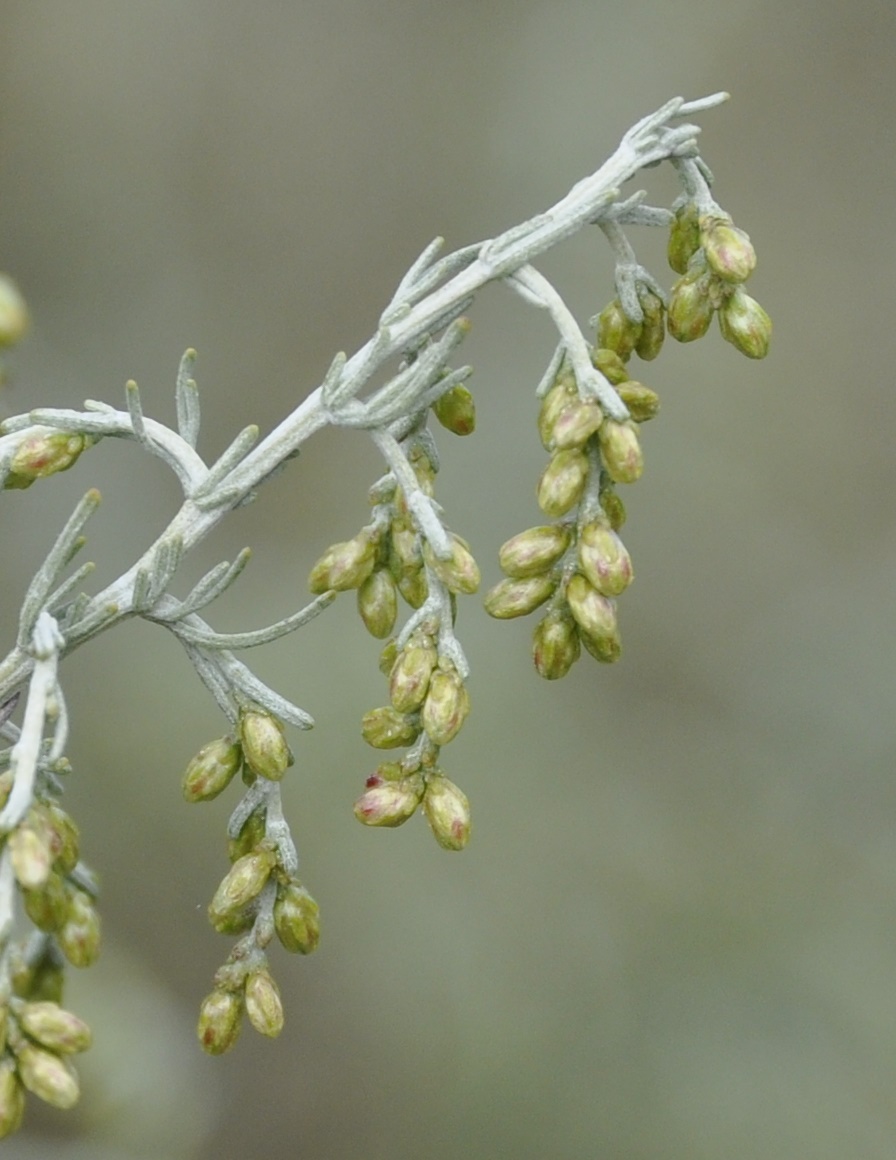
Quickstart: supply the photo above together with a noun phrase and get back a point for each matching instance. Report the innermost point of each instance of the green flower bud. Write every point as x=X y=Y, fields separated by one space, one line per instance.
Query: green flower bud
x=456 y=410
x=563 y=482
x=13 y=312
x=79 y=937
x=613 y=507
x=510 y=598
x=38 y=456
x=642 y=402
x=616 y=331
x=296 y=918
x=388 y=656
x=555 y=645
x=220 y=1019
x=605 y=649
x=263 y=1003
x=610 y=365
x=55 y=1028
x=378 y=603
x=594 y=614
x=413 y=587
x=447 y=810
x=446 y=707
x=653 y=328
x=745 y=324
x=729 y=252
x=344 y=566
x=64 y=837
x=410 y=675
x=386 y=728
x=604 y=559
x=405 y=554
x=252 y=834
x=12 y=1098
x=235 y=922
x=460 y=573
x=559 y=396
x=211 y=770
x=38 y=980
x=48 y=905
x=29 y=852
x=576 y=423
x=690 y=307
x=264 y=744
x=243 y=882
x=684 y=237
x=388 y=803
x=534 y=551
x=50 y=1078
x=621 y=451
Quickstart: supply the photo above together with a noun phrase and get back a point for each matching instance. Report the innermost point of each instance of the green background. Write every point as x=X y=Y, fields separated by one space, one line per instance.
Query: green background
x=673 y=936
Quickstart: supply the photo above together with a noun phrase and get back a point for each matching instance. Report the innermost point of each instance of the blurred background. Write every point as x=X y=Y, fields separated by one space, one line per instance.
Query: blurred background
x=674 y=932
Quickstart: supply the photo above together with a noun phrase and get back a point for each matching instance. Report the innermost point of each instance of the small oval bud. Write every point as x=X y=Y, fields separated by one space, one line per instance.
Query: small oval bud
x=533 y=551
x=220 y=1019
x=613 y=508
x=264 y=744
x=410 y=675
x=616 y=331
x=64 y=837
x=576 y=423
x=390 y=803
x=413 y=587
x=38 y=456
x=12 y=1098
x=510 y=598
x=558 y=397
x=729 y=251
x=460 y=573
x=653 y=328
x=79 y=937
x=604 y=559
x=621 y=451
x=642 y=402
x=456 y=410
x=447 y=810
x=343 y=566
x=563 y=482
x=252 y=834
x=50 y=1078
x=378 y=603
x=13 y=312
x=263 y=1004
x=594 y=614
x=605 y=649
x=745 y=324
x=48 y=905
x=243 y=882
x=684 y=237
x=405 y=553
x=388 y=656
x=211 y=770
x=29 y=852
x=610 y=365
x=296 y=918
x=555 y=645
x=446 y=707
x=690 y=307
x=386 y=728
x=55 y=1028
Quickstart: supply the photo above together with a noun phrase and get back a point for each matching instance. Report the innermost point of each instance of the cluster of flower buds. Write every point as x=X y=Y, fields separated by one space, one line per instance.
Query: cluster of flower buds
x=714 y=259
x=260 y=751
x=37 y=1037
x=392 y=795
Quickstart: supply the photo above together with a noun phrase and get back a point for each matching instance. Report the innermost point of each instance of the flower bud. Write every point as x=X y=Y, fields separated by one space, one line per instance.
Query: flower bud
x=390 y=803
x=653 y=328
x=12 y=1097
x=48 y=905
x=616 y=331
x=563 y=482
x=613 y=508
x=38 y=980
x=745 y=324
x=50 y=1078
x=29 y=852
x=386 y=728
x=684 y=237
x=605 y=649
x=220 y=1019
x=378 y=603
x=388 y=656
x=64 y=837
x=610 y=365
x=405 y=554
x=410 y=675
x=263 y=1004
x=690 y=307
x=621 y=451
x=558 y=397
x=13 y=312
x=555 y=645
x=729 y=252
x=510 y=598
x=604 y=559
x=534 y=551
x=413 y=587
x=447 y=810
x=252 y=834
x=55 y=1028
x=576 y=423
x=38 y=456
x=594 y=614
x=264 y=744
x=642 y=402
x=243 y=882
x=296 y=918
x=343 y=566
x=460 y=573
x=211 y=770
x=446 y=707
x=456 y=410
x=79 y=937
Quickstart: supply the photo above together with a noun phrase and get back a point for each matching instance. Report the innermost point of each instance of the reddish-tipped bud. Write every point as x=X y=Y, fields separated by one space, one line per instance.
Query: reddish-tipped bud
x=38 y=456
x=48 y=905
x=459 y=573
x=456 y=411
x=211 y=770
x=559 y=396
x=220 y=1019
x=386 y=728
x=604 y=559
x=390 y=803
x=642 y=402
x=616 y=331
x=446 y=707
x=55 y=1028
x=594 y=614
x=533 y=551
x=264 y=744
x=510 y=598
x=555 y=645
x=378 y=603
x=344 y=566
x=447 y=810
x=620 y=449
x=563 y=482
x=745 y=324
x=729 y=251
x=296 y=918
x=50 y=1078
x=576 y=423
x=690 y=307
x=410 y=675
x=243 y=882
x=79 y=936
